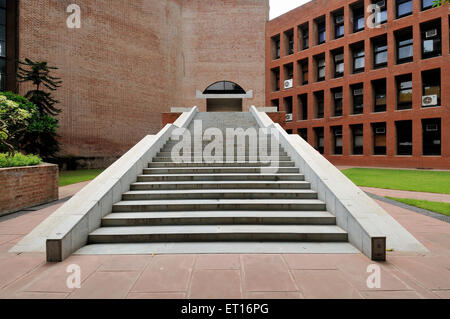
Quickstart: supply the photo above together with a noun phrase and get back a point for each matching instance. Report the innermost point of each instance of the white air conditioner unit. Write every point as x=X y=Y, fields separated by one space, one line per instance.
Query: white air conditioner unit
x=380 y=130
x=381 y=4
x=339 y=57
x=339 y=19
x=358 y=92
x=431 y=33
x=288 y=117
x=338 y=95
x=429 y=100
x=289 y=84
x=431 y=128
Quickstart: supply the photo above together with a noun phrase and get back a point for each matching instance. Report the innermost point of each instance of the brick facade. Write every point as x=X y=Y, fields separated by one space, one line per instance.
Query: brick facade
x=169 y=118
x=132 y=60
x=311 y=13
x=24 y=187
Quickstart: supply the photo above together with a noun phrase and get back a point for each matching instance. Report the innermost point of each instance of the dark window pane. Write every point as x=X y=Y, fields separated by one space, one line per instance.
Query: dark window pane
x=224 y=87
x=404 y=7
x=404 y=137
x=426 y=4
x=432 y=137
x=2 y=17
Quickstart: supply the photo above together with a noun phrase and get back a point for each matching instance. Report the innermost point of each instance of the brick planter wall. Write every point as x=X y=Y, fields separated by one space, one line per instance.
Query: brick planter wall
x=24 y=187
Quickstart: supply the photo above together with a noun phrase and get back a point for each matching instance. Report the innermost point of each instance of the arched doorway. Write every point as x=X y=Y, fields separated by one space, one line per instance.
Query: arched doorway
x=224 y=96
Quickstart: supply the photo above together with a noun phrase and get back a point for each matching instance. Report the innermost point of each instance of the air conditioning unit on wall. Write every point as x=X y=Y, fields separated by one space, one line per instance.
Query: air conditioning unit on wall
x=429 y=100
x=380 y=130
x=381 y=4
x=288 y=84
x=431 y=33
x=288 y=117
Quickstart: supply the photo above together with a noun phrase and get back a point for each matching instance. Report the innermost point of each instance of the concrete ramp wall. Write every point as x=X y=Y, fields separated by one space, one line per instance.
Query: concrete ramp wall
x=370 y=228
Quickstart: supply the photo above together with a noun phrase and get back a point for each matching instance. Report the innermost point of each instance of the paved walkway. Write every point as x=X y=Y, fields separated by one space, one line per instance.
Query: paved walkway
x=406 y=194
x=229 y=276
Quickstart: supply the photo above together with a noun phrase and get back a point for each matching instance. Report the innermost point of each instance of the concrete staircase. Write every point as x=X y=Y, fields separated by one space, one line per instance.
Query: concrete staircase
x=219 y=207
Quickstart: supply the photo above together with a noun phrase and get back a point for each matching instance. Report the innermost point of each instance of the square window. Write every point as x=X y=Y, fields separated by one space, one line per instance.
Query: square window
x=404 y=8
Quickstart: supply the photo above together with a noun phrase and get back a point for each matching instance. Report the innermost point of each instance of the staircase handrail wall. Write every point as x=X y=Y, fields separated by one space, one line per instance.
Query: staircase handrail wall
x=67 y=230
x=370 y=228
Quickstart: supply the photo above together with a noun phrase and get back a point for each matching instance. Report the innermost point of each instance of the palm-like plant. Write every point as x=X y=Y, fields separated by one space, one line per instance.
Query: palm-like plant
x=39 y=74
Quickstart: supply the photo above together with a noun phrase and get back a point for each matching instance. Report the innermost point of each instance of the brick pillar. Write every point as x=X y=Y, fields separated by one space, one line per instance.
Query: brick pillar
x=368 y=140
x=417 y=137
x=346 y=140
x=391 y=139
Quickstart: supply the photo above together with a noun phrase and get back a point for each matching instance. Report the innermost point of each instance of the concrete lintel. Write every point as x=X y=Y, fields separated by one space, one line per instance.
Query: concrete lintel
x=248 y=95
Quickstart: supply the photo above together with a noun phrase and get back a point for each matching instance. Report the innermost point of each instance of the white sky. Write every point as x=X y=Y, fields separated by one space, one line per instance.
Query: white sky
x=278 y=7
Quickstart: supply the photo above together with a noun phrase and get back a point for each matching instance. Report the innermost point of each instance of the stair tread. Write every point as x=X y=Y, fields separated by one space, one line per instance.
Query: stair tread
x=222 y=191
x=219 y=167
x=219 y=248
x=224 y=174
x=205 y=229
x=216 y=214
x=219 y=182
x=218 y=201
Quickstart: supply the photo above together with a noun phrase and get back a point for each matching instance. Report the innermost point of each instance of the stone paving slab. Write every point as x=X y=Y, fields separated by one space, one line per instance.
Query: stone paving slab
x=245 y=275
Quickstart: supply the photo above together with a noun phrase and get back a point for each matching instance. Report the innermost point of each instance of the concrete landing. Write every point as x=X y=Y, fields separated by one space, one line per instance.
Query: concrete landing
x=218 y=248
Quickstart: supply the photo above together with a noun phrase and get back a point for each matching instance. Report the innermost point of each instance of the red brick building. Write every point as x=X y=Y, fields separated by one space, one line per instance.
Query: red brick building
x=363 y=95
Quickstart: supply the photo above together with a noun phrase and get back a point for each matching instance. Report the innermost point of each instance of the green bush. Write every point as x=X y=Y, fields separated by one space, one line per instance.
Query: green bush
x=41 y=133
x=19 y=160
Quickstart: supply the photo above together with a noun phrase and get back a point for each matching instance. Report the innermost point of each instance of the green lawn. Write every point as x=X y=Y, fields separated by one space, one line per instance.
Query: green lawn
x=408 y=180
x=437 y=207
x=73 y=177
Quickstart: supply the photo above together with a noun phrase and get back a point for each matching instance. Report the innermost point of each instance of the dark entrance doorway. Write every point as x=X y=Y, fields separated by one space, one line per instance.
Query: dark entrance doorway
x=224 y=96
x=224 y=105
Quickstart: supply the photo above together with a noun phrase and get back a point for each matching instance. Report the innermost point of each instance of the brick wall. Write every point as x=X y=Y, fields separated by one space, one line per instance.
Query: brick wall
x=169 y=118
x=132 y=60
x=279 y=117
x=308 y=13
x=24 y=187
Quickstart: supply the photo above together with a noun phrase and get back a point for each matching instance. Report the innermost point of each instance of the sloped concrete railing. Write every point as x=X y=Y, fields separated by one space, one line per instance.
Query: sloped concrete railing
x=67 y=230
x=370 y=229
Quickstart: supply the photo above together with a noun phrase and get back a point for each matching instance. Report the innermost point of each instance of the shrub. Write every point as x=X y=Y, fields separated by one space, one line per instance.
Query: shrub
x=40 y=135
x=14 y=121
x=19 y=160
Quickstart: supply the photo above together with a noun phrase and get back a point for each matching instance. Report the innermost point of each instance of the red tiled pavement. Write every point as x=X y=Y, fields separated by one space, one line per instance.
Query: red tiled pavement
x=230 y=276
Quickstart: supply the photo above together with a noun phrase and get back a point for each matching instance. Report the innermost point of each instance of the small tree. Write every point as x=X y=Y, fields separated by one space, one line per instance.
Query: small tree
x=13 y=122
x=39 y=74
x=42 y=138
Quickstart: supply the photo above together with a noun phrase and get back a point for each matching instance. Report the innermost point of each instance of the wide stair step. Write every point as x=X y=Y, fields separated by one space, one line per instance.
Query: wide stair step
x=220 y=185
x=219 y=218
x=218 y=170
x=220 y=194
x=220 y=204
x=221 y=177
x=222 y=164
x=195 y=233
x=235 y=159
